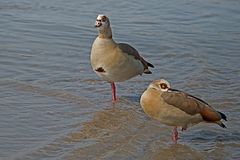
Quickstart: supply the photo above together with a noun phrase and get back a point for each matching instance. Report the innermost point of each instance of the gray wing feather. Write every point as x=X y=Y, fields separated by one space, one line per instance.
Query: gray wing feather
x=126 y=48
x=182 y=101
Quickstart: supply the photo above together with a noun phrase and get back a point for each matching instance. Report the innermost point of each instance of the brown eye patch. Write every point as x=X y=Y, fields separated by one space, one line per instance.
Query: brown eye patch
x=104 y=18
x=163 y=85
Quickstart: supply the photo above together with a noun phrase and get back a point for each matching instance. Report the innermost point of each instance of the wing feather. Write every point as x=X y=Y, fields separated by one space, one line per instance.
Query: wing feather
x=126 y=48
x=192 y=105
x=182 y=101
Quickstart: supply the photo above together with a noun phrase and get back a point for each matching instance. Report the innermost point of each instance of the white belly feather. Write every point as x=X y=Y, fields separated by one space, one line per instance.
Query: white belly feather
x=117 y=66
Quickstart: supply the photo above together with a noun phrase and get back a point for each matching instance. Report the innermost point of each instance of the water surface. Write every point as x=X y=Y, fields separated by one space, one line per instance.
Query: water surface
x=53 y=106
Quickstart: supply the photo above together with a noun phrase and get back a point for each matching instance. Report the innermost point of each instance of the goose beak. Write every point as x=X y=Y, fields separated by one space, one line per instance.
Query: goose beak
x=98 y=24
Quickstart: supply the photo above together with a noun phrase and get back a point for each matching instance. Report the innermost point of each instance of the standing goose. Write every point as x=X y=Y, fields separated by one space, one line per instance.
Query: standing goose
x=114 y=62
x=176 y=108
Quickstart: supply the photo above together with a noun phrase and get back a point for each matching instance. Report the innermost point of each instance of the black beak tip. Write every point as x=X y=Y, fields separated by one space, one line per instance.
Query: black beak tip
x=98 y=25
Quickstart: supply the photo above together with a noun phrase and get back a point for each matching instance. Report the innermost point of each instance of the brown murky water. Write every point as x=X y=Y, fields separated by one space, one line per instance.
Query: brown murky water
x=52 y=105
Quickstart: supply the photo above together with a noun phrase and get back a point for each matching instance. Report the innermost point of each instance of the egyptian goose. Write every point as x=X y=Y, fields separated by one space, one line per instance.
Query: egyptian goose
x=115 y=62
x=176 y=108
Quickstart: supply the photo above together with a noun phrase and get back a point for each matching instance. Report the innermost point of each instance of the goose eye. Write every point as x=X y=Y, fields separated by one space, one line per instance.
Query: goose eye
x=163 y=85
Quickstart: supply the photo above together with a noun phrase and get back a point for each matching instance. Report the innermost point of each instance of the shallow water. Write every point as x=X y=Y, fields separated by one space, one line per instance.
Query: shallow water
x=53 y=106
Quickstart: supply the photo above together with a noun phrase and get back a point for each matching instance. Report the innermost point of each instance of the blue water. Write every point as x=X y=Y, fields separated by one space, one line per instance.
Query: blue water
x=53 y=106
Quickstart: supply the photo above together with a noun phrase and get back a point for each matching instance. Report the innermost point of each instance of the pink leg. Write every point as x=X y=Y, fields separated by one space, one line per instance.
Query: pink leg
x=175 y=135
x=113 y=91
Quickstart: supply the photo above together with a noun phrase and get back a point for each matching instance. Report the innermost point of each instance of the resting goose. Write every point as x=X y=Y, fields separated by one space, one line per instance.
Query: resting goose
x=114 y=62
x=176 y=108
